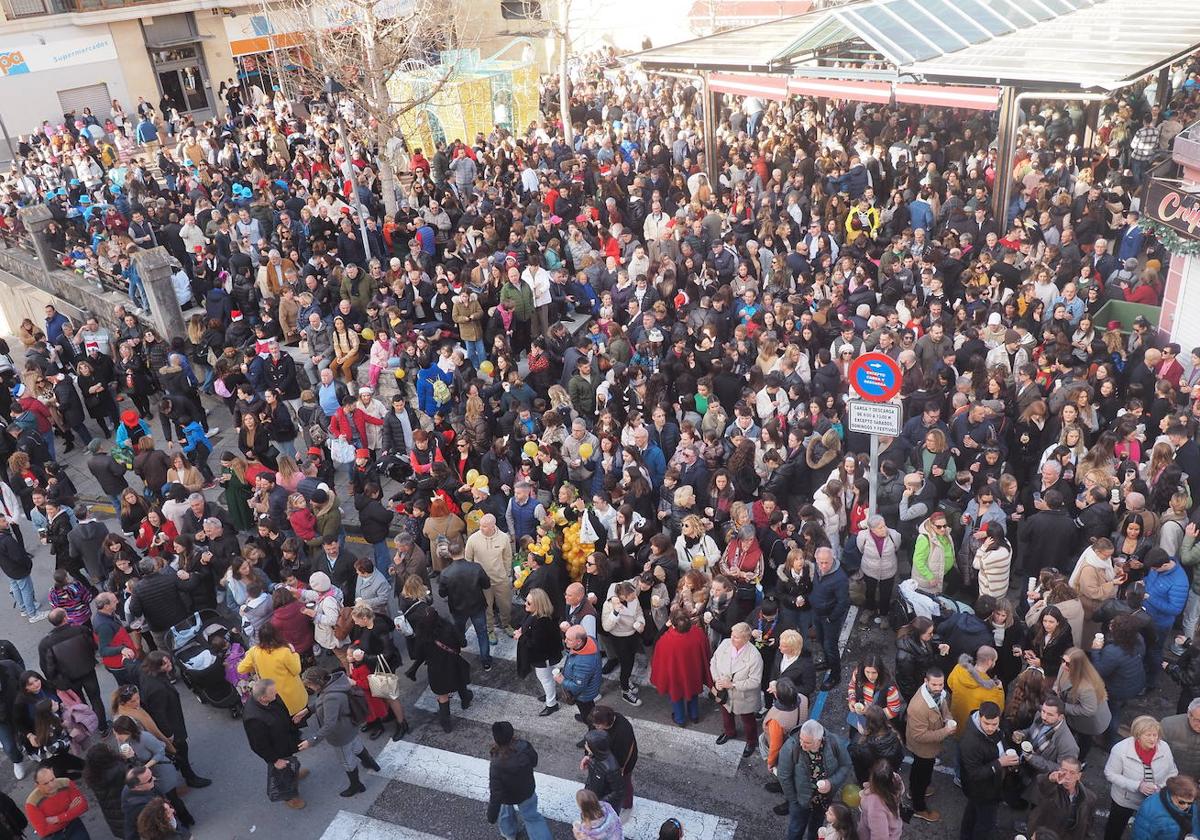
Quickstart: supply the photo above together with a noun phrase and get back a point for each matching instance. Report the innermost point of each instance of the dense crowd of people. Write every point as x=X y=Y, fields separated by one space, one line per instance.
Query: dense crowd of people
x=671 y=482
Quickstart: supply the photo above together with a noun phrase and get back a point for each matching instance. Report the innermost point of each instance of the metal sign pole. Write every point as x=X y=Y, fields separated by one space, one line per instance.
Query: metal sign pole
x=873 y=476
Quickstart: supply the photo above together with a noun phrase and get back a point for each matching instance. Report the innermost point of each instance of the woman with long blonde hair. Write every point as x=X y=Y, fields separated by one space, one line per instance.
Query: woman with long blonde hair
x=1082 y=690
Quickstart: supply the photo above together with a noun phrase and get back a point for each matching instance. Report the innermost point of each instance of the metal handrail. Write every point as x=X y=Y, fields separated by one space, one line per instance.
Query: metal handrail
x=102 y=279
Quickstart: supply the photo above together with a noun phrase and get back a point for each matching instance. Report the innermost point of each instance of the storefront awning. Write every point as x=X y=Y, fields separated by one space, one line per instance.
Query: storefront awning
x=767 y=86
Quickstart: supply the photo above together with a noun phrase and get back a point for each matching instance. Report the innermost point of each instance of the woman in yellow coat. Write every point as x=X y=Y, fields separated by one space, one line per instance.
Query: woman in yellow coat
x=971 y=685
x=273 y=659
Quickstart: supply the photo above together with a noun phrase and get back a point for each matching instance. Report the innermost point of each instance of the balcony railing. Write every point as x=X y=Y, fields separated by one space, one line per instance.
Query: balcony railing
x=33 y=8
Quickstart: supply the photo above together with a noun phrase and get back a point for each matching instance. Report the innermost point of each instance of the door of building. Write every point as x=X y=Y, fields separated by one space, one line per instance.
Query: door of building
x=183 y=77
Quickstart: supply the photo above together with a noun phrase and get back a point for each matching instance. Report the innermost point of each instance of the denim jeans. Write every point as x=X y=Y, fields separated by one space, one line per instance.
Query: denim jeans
x=8 y=739
x=137 y=291
x=382 y=555
x=535 y=823
x=475 y=352
x=827 y=634
x=286 y=447
x=1191 y=614
x=1154 y=654
x=691 y=706
x=48 y=437
x=479 y=622
x=23 y=594
x=804 y=822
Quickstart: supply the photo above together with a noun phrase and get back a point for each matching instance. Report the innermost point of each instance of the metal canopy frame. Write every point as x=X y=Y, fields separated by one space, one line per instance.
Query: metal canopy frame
x=1049 y=45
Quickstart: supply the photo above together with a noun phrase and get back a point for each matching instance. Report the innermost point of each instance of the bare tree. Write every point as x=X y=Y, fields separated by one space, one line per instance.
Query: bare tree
x=357 y=46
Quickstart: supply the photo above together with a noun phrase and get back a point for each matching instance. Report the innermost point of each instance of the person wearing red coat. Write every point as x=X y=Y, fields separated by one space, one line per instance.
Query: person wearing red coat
x=679 y=667
x=55 y=807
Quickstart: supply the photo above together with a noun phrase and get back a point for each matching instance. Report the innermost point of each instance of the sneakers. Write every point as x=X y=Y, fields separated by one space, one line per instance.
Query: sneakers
x=38 y=616
x=492 y=637
x=631 y=698
x=930 y=816
x=19 y=770
x=213 y=431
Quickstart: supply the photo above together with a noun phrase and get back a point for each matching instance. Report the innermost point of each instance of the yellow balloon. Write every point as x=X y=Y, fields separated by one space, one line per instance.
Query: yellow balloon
x=400 y=373
x=851 y=795
x=472 y=475
x=480 y=482
x=487 y=367
x=585 y=450
x=368 y=334
x=530 y=448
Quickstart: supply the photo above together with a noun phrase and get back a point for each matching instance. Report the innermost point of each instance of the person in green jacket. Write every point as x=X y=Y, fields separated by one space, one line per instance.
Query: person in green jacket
x=581 y=388
x=932 y=554
x=520 y=294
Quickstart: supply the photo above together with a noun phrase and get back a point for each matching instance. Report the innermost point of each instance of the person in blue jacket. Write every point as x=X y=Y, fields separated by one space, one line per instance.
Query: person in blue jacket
x=1170 y=814
x=580 y=675
x=198 y=447
x=1118 y=659
x=1166 y=594
x=830 y=599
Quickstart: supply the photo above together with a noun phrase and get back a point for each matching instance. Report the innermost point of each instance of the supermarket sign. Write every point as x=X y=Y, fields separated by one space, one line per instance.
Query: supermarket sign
x=32 y=57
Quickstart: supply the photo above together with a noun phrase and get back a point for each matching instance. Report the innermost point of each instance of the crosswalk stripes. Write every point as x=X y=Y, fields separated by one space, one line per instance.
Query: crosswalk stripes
x=669 y=744
x=506 y=648
x=350 y=826
x=467 y=776
x=818 y=705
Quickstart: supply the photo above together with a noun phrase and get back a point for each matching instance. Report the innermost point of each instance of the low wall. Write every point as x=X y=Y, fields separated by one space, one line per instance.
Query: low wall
x=35 y=287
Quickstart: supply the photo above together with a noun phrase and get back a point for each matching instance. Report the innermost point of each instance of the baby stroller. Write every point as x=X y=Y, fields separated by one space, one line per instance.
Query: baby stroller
x=199 y=645
x=910 y=602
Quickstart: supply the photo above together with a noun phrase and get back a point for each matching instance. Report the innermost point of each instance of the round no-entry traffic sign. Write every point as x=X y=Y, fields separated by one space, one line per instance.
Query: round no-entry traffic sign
x=875 y=377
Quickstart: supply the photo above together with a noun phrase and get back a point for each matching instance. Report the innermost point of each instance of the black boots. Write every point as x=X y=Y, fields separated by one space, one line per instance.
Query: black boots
x=355 y=785
x=401 y=730
x=465 y=696
x=367 y=761
x=444 y=715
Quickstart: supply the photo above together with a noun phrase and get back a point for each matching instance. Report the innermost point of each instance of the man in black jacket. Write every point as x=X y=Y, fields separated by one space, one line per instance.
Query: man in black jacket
x=1048 y=538
x=68 y=658
x=17 y=565
x=274 y=738
x=967 y=632
x=85 y=542
x=375 y=521
x=339 y=565
x=71 y=406
x=983 y=766
x=160 y=598
x=462 y=585
x=512 y=785
x=161 y=702
x=108 y=473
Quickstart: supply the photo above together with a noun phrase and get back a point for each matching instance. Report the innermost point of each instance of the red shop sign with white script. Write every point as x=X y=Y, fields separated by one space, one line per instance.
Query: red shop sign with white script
x=1173 y=207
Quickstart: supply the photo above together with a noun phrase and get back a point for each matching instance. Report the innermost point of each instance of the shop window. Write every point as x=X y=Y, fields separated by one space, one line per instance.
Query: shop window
x=521 y=9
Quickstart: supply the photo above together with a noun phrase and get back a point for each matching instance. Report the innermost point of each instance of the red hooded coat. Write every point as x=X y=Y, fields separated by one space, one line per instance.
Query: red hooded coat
x=679 y=667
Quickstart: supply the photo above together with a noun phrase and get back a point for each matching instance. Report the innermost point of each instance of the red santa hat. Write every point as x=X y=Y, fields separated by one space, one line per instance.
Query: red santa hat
x=236 y=314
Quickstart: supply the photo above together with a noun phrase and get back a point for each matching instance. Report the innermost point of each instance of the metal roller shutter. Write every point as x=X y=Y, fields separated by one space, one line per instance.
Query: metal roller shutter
x=90 y=96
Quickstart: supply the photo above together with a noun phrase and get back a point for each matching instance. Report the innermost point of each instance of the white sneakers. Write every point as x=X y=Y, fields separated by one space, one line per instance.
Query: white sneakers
x=38 y=616
x=19 y=770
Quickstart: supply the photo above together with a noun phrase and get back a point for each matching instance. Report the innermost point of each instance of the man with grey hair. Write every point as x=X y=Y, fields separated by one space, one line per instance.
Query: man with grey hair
x=274 y=738
x=524 y=512
x=1182 y=734
x=580 y=469
x=830 y=599
x=813 y=765
x=114 y=645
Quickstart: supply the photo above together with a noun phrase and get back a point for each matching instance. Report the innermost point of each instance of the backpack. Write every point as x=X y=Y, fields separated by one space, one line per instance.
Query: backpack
x=359 y=710
x=345 y=621
x=441 y=392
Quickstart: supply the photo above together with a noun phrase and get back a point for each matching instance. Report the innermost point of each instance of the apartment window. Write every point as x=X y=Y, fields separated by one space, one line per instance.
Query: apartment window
x=521 y=9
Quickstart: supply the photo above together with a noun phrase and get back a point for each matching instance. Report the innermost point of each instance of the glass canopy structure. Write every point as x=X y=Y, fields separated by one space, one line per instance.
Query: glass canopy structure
x=1049 y=45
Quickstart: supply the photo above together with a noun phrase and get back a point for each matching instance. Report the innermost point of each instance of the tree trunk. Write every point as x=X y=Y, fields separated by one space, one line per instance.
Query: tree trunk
x=564 y=82
x=387 y=173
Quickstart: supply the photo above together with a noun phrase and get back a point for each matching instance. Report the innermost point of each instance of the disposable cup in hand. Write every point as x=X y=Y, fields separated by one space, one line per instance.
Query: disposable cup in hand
x=1026 y=747
x=557 y=672
x=1011 y=753
x=951 y=724
x=859 y=708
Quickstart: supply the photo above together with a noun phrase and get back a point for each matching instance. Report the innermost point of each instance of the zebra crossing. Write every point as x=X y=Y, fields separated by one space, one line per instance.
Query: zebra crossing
x=683 y=748
x=350 y=826
x=467 y=776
